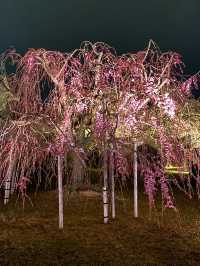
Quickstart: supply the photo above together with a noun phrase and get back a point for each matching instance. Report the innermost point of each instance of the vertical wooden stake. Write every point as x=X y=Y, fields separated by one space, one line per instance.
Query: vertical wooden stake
x=60 y=190
x=9 y=177
x=112 y=181
x=105 y=187
x=135 y=180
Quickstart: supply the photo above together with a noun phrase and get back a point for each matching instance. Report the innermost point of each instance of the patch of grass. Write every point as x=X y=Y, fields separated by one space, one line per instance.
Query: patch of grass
x=32 y=237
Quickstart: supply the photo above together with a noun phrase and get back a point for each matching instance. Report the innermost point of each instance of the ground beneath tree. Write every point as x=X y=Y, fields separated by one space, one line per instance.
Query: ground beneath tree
x=31 y=237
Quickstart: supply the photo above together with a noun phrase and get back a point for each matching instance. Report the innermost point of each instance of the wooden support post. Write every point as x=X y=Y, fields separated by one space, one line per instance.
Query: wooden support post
x=60 y=190
x=8 y=180
x=112 y=182
x=135 y=180
x=105 y=187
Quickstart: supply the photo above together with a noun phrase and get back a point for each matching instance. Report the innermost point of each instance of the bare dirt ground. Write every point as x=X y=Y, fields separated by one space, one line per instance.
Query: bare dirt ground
x=31 y=237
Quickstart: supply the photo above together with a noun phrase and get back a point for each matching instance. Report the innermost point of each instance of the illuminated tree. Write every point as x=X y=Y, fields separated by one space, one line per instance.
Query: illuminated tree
x=119 y=100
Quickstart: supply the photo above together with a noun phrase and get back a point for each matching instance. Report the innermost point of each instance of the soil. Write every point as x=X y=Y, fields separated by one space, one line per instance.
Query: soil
x=31 y=236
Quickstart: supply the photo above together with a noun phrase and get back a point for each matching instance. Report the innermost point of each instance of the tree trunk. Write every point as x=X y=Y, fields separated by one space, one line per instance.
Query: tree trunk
x=78 y=172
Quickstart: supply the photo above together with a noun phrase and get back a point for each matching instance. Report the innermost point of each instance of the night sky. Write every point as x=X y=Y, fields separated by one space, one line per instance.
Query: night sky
x=127 y=25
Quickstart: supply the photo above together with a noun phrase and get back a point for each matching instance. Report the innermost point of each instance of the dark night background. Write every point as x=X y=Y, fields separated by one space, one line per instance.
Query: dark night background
x=127 y=25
